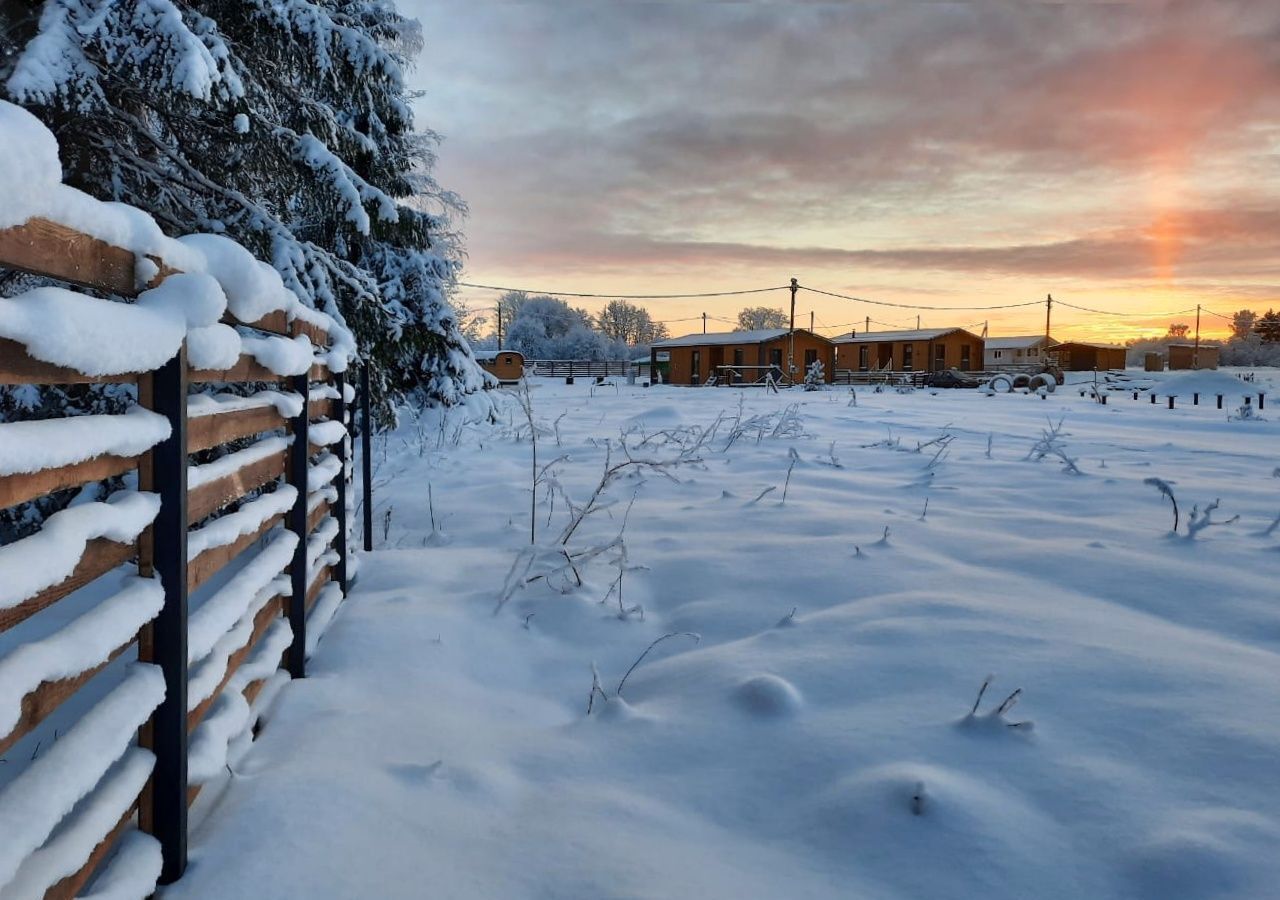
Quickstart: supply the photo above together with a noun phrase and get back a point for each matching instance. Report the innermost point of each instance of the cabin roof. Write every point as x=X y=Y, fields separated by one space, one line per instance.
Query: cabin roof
x=758 y=336
x=1015 y=342
x=915 y=334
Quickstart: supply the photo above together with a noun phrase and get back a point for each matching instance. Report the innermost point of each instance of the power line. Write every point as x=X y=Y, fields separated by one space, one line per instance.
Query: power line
x=917 y=306
x=1133 y=315
x=1219 y=315
x=494 y=287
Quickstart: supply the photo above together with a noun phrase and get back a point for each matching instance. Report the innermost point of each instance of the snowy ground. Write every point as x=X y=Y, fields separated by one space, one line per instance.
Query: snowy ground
x=441 y=750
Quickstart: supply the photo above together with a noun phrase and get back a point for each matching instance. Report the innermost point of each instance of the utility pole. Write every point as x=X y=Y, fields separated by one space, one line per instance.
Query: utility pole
x=984 y=329
x=811 y=320
x=868 y=328
x=791 y=349
x=1048 y=310
x=499 y=326
x=1195 y=352
x=704 y=323
x=917 y=321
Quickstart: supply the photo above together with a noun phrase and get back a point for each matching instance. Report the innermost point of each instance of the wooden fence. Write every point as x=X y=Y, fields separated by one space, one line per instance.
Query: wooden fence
x=585 y=368
x=316 y=566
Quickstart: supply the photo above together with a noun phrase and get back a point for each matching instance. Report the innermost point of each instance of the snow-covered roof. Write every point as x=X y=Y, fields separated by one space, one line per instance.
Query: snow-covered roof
x=758 y=336
x=490 y=355
x=917 y=334
x=641 y=361
x=1016 y=342
x=1088 y=344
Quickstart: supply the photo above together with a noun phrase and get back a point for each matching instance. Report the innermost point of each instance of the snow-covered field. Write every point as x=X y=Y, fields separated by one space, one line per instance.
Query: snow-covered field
x=440 y=749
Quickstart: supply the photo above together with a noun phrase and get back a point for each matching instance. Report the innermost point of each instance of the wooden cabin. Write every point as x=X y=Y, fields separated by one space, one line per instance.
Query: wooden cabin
x=1186 y=356
x=1078 y=356
x=1023 y=351
x=505 y=365
x=740 y=357
x=918 y=350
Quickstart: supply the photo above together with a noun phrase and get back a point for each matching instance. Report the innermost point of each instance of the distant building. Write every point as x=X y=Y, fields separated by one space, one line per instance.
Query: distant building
x=1011 y=352
x=1078 y=356
x=739 y=357
x=505 y=365
x=1185 y=356
x=921 y=350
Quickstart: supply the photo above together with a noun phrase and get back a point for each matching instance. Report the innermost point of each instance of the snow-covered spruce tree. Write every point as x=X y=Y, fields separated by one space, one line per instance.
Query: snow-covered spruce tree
x=814 y=377
x=284 y=124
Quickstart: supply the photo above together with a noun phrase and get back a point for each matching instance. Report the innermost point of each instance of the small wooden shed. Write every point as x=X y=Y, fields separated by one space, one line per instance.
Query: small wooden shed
x=505 y=365
x=917 y=350
x=1079 y=356
x=740 y=357
x=1187 y=356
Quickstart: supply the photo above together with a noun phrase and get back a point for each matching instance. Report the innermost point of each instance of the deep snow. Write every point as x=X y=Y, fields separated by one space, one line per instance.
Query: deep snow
x=438 y=749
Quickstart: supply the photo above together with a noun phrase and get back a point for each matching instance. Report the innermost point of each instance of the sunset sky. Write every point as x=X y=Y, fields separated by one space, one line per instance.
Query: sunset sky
x=1123 y=157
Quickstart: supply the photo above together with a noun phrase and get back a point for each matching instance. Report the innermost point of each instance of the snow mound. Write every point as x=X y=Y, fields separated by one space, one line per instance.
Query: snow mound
x=1203 y=853
x=903 y=811
x=657 y=417
x=768 y=696
x=1205 y=383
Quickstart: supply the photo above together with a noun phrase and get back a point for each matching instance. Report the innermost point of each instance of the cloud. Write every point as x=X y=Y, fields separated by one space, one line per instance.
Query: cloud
x=1105 y=141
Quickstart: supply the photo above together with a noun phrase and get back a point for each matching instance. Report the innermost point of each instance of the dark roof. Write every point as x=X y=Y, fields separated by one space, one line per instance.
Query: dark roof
x=916 y=334
x=759 y=336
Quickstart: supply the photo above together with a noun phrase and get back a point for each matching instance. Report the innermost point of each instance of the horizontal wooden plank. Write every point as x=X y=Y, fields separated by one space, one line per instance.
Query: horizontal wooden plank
x=314 y=333
x=323 y=577
x=274 y=322
x=38 y=704
x=207 y=499
x=322 y=409
x=317 y=515
x=261 y=622
x=100 y=557
x=16 y=489
x=47 y=248
x=247 y=369
x=19 y=367
x=70 y=887
x=204 y=432
x=320 y=372
x=211 y=561
x=254 y=688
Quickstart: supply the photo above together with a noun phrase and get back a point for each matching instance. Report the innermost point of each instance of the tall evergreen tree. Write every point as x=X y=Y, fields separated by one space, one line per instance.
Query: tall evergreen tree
x=285 y=124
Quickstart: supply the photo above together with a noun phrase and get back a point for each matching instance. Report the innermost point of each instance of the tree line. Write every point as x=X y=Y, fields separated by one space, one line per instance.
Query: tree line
x=1254 y=340
x=545 y=327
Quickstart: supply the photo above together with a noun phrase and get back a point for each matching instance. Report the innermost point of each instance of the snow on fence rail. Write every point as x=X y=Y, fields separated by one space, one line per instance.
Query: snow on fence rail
x=206 y=575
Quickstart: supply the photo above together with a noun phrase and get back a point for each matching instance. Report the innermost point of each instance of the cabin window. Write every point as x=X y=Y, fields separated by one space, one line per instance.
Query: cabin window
x=810 y=357
x=966 y=357
x=908 y=356
x=508 y=360
x=864 y=354
x=940 y=356
x=999 y=353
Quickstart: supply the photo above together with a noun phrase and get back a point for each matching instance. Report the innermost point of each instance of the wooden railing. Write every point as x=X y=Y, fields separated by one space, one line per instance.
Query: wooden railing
x=234 y=638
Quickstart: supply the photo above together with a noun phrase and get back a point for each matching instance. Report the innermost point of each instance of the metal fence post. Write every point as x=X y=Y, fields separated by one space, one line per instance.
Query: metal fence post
x=164 y=642
x=340 y=543
x=366 y=460
x=298 y=455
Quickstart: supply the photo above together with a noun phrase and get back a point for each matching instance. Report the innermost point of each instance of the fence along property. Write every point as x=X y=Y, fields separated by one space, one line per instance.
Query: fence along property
x=119 y=700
